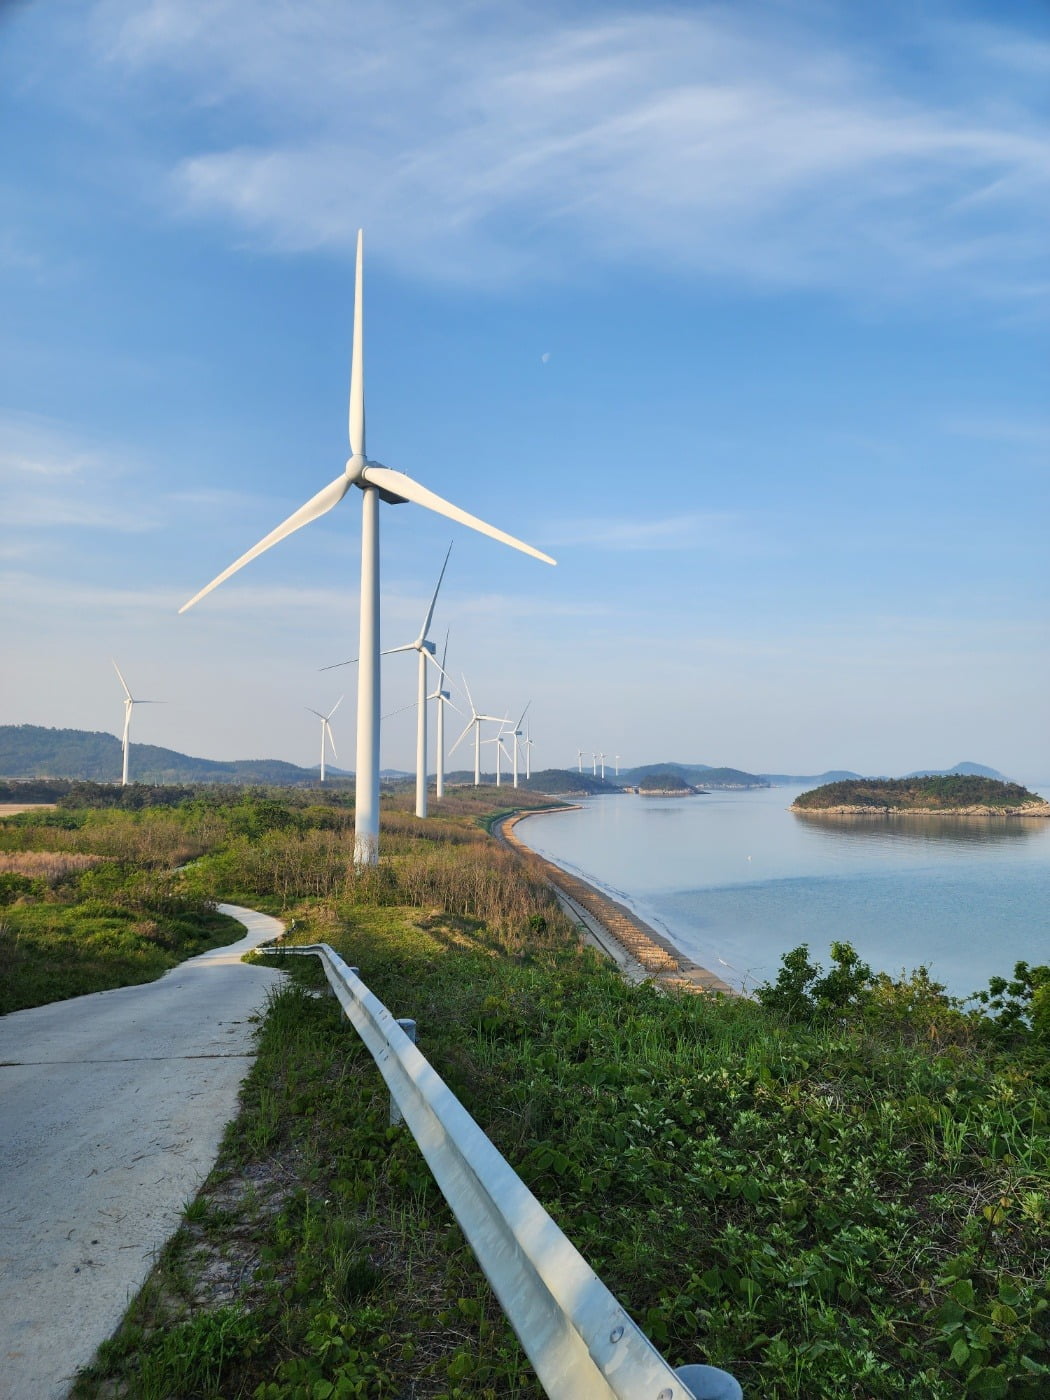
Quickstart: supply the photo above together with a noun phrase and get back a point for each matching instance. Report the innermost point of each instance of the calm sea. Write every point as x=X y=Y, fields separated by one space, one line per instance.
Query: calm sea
x=735 y=880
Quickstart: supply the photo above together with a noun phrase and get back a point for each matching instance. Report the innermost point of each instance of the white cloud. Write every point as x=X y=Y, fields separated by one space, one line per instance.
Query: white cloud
x=473 y=140
x=691 y=531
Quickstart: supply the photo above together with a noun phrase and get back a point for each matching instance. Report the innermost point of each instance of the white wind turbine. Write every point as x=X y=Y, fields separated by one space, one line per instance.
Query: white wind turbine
x=326 y=730
x=601 y=760
x=579 y=759
x=129 y=704
x=376 y=483
x=501 y=751
x=476 y=720
x=442 y=697
x=426 y=651
x=617 y=765
x=528 y=752
x=516 y=733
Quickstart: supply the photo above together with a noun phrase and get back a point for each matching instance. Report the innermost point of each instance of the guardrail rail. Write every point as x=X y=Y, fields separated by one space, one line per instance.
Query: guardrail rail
x=580 y=1341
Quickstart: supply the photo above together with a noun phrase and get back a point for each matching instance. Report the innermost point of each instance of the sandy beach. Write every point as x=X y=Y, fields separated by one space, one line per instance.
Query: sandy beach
x=646 y=953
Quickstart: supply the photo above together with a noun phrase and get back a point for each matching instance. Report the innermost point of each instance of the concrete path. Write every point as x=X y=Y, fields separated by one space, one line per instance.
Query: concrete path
x=112 y=1107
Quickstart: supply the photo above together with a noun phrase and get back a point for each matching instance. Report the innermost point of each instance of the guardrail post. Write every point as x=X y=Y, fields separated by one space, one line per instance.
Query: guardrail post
x=709 y=1383
x=409 y=1027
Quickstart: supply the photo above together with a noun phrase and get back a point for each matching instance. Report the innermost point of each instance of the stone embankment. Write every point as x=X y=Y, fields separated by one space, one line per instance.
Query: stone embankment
x=1028 y=809
x=658 y=957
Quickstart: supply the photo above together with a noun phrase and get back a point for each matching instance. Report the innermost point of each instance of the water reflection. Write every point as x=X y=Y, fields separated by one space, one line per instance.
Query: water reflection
x=923 y=830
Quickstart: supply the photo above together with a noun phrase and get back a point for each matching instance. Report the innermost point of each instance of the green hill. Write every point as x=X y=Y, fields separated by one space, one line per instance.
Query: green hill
x=32 y=751
x=949 y=793
x=694 y=775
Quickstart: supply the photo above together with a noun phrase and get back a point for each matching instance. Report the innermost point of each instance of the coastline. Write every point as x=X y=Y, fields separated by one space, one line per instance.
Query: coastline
x=1040 y=810
x=652 y=955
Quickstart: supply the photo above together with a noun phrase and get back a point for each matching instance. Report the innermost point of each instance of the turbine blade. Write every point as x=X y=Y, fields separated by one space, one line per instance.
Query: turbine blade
x=430 y=610
x=314 y=712
x=444 y=654
x=123 y=682
x=335 y=707
x=357 y=361
x=317 y=505
x=392 y=651
x=466 y=731
x=328 y=732
x=469 y=696
x=521 y=717
x=398 y=484
x=336 y=664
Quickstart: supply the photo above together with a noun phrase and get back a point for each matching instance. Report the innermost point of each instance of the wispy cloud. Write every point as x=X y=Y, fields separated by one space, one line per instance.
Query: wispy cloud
x=50 y=477
x=749 y=141
x=690 y=531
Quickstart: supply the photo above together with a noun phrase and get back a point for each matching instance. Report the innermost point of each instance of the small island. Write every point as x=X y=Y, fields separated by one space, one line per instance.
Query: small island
x=665 y=782
x=962 y=795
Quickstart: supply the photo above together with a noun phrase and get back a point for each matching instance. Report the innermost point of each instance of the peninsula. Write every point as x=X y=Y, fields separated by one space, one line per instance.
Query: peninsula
x=963 y=795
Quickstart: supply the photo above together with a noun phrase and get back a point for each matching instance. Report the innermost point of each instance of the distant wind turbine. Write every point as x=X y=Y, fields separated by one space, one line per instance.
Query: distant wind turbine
x=442 y=698
x=617 y=765
x=326 y=730
x=501 y=749
x=376 y=483
x=579 y=759
x=528 y=752
x=129 y=704
x=476 y=720
x=516 y=733
x=426 y=652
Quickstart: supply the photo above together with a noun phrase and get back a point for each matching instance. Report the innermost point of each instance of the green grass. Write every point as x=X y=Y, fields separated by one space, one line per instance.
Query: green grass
x=830 y=1211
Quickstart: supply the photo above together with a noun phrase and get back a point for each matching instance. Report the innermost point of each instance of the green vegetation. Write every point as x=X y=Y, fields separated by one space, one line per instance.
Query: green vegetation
x=664 y=780
x=840 y=1189
x=33 y=751
x=88 y=901
x=940 y=794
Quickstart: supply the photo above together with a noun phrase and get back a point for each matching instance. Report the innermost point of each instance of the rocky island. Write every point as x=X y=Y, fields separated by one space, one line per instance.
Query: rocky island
x=962 y=795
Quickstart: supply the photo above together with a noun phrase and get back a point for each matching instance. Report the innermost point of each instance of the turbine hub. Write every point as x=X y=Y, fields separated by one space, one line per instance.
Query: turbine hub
x=355 y=465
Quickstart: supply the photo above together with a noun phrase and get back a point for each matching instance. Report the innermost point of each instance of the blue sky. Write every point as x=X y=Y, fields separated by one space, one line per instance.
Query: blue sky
x=740 y=311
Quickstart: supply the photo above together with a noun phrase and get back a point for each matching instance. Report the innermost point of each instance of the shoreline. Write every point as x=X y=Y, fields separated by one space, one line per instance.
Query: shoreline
x=654 y=956
x=1039 y=810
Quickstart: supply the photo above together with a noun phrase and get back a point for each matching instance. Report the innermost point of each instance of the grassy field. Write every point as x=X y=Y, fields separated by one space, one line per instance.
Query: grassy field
x=843 y=1192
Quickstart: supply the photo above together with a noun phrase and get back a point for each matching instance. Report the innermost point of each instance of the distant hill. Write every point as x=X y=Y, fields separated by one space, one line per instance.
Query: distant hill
x=665 y=780
x=958 y=792
x=695 y=775
x=969 y=770
x=833 y=775
x=32 y=751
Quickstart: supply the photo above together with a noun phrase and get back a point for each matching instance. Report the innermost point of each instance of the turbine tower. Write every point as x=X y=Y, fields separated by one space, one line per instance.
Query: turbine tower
x=376 y=483
x=326 y=730
x=129 y=704
x=579 y=759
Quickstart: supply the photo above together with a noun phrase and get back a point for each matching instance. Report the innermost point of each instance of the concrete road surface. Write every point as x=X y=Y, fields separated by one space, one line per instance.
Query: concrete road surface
x=111 y=1111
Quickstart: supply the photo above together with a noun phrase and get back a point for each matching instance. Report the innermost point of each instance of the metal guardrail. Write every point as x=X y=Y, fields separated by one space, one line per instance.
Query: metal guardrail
x=580 y=1341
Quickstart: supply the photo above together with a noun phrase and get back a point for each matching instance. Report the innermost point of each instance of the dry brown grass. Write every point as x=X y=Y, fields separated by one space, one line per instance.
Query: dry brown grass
x=52 y=866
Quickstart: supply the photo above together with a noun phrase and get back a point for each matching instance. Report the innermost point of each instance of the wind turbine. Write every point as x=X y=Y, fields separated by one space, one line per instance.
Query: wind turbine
x=528 y=752
x=617 y=765
x=129 y=704
x=326 y=730
x=601 y=760
x=594 y=765
x=443 y=698
x=376 y=483
x=516 y=732
x=501 y=748
x=579 y=759
x=476 y=720
x=426 y=650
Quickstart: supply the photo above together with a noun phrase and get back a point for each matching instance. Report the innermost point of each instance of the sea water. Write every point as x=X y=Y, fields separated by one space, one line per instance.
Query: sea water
x=736 y=880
